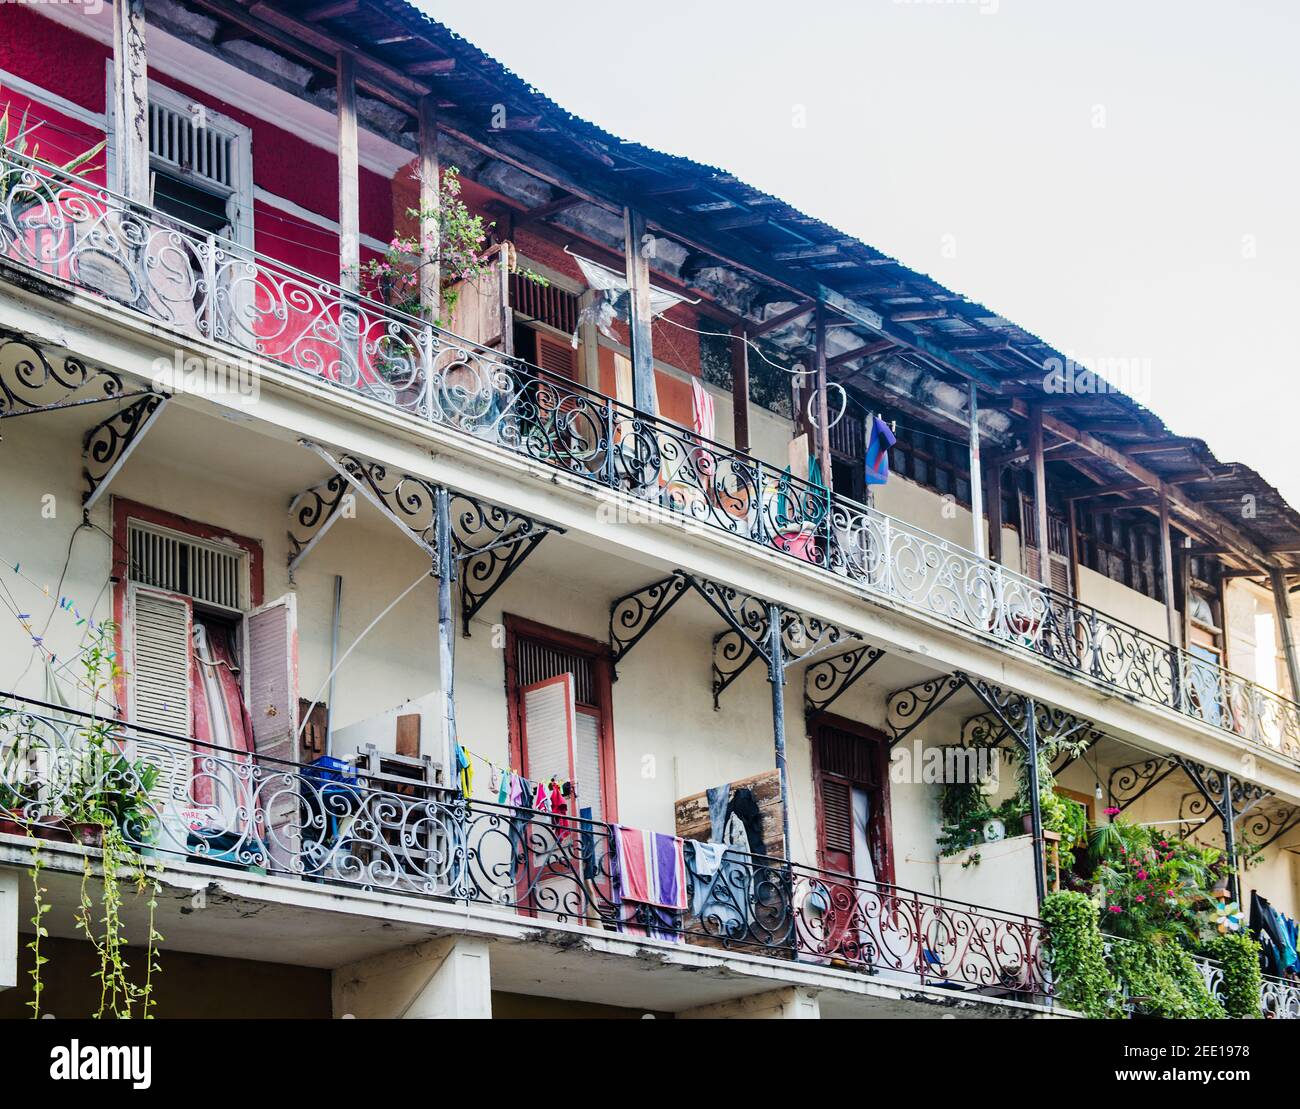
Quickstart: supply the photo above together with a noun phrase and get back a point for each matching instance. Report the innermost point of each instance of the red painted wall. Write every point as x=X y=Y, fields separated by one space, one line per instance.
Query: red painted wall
x=74 y=66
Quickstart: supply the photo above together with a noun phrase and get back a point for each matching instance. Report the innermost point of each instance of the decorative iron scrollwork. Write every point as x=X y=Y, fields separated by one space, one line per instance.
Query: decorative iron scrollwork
x=906 y=709
x=313 y=512
x=1128 y=783
x=828 y=680
x=491 y=543
x=632 y=616
x=33 y=381
x=110 y=442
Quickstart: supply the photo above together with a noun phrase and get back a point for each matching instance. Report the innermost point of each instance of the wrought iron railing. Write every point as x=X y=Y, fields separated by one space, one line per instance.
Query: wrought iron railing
x=208 y=287
x=65 y=774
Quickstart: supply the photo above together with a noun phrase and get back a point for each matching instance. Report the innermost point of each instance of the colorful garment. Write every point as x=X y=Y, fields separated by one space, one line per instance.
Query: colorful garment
x=879 y=441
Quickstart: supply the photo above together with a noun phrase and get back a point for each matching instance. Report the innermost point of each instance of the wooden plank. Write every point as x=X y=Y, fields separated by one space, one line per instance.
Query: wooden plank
x=131 y=101
x=408 y=735
x=1167 y=570
x=349 y=169
x=692 y=813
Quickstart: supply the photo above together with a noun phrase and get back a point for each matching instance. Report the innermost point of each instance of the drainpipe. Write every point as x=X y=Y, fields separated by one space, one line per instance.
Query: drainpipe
x=334 y=664
x=776 y=675
x=976 y=476
x=1035 y=808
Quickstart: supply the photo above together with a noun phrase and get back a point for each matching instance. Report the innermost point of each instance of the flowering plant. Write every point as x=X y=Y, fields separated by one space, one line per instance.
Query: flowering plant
x=460 y=247
x=1151 y=885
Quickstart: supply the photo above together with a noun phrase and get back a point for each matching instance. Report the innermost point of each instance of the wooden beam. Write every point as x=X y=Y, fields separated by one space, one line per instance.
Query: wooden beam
x=430 y=214
x=349 y=163
x=778 y=322
x=740 y=389
x=976 y=473
x=1167 y=571
x=865 y=351
x=1040 y=493
x=822 y=428
x=332 y=44
x=1213 y=526
x=546 y=211
x=131 y=101
x=432 y=67
x=636 y=252
x=331 y=10
x=1282 y=604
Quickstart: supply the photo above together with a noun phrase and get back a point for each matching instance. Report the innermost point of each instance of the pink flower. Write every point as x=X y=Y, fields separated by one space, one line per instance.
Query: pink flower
x=1140 y=897
x=1142 y=875
x=1116 y=909
x=1112 y=811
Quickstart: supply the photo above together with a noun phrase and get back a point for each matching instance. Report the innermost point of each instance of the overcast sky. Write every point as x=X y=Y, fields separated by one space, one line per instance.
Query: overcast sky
x=1120 y=178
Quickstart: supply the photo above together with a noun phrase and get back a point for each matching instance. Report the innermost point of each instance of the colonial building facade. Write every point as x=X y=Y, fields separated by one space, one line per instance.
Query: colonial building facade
x=592 y=625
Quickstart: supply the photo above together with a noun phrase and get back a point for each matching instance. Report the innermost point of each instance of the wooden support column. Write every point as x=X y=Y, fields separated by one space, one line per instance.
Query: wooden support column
x=130 y=102
x=430 y=203
x=1040 y=492
x=821 y=429
x=740 y=388
x=349 y=168
x=638 y=287
x=976 y=475
x=995 y=468
x=1281 y=601
x=1167 y=569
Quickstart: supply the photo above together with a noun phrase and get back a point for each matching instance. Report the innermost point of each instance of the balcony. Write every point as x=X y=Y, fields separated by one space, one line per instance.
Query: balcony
x=205 y=288
x=175 y=799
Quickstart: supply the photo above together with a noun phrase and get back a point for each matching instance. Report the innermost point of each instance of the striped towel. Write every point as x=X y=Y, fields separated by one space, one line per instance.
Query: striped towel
x=651 y=868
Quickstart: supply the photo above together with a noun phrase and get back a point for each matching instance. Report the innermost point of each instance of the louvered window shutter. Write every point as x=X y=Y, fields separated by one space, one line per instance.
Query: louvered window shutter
x=588 y=777
x=271 y=683
x=837 y=816
x=161 y=626
x=549 y=729
x=557 y=358
x=271 y=690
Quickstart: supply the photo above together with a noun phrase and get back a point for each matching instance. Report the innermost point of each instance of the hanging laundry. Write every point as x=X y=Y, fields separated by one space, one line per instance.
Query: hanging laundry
x=879 y=441
x=464 y=772
x=650 y=882
x=504 y=787
x=702 y=413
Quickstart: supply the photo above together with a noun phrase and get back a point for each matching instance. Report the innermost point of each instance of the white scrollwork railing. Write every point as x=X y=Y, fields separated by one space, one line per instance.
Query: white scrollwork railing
x=205 y=287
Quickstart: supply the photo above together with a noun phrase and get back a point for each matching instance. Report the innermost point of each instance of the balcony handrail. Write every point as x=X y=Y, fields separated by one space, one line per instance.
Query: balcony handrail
x=471 y=389
x=327 y=823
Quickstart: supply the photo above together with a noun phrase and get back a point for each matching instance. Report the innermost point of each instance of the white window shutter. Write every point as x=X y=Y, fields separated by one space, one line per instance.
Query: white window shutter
x=161 y=629
x=588 y=777
x=549 y=729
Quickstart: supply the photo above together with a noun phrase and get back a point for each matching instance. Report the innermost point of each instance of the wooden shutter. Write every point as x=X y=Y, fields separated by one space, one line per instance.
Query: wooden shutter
x=557 y=357
x=588 y=781
x=549 y=729
x=271 y=678
x=837 y=817
x=161 y=626
x=271 y=691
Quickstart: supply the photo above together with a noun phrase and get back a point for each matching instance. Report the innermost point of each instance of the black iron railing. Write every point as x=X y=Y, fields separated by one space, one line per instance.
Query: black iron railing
x=64 y=774
x=211 y=288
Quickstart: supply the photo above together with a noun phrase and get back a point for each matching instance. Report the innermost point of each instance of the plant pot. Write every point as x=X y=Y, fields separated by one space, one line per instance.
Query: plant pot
x=88 y=834
x=10 y=827
x=1027 y=822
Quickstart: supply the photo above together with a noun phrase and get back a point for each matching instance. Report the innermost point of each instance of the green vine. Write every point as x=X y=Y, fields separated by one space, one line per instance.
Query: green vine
x=39 y=931
x=1160 y=979
x=105 y=803
x=1243 y=980
x=1077 y=953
